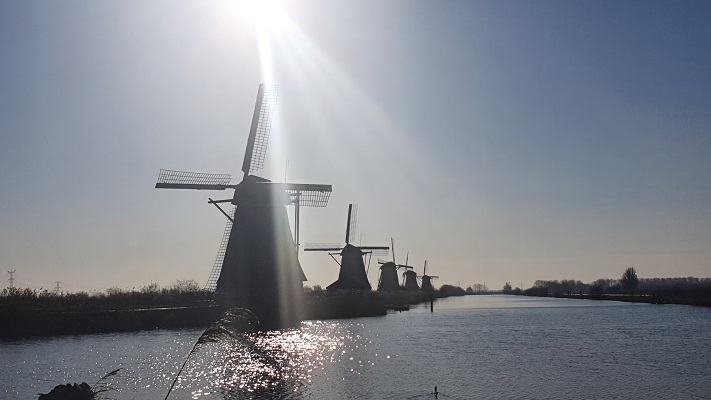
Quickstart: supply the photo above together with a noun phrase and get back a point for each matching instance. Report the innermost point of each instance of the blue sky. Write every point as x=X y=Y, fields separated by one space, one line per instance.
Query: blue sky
x=501 y=141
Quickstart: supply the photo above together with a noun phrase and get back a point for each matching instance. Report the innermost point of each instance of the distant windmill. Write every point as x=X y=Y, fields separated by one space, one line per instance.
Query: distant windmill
x=257 y=266
x=410 y=279
x=427 y=280
x=352 y=275
x=388 y=279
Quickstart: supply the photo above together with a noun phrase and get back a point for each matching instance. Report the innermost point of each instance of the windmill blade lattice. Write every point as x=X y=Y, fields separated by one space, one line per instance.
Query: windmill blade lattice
x=353 y=220
x=310 y=198
x=379 y=251
x=220 y=258
x=261 y=127
x=392 y=248
x=171 y=179
x=323 y=247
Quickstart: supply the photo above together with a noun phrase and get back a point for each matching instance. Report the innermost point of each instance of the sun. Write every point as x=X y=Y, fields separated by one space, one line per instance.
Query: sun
x=270 y=23
x=267 y=15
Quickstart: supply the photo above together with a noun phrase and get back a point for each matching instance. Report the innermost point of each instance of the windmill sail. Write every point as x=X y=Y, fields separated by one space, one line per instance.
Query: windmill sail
x=217 y=267
x=323 y=247
x=351 y=223
x=261 y=127
x=171 y=179
x=309 y=198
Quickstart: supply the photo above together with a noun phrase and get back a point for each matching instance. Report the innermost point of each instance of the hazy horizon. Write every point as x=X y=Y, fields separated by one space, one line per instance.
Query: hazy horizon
x=499 y=141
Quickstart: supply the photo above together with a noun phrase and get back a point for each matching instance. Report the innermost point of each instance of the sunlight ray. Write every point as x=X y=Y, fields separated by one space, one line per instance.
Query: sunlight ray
x=344 y=104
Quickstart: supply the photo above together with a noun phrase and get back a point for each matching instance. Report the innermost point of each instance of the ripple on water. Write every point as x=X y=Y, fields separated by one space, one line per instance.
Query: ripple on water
x=277 y=364
x=621 y=351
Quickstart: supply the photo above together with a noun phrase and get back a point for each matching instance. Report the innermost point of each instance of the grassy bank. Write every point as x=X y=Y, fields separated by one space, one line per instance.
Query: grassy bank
x=18 y=301
x=27 y=312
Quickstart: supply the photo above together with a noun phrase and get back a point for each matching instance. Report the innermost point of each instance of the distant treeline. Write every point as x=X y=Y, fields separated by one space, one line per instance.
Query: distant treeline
x=685 y=290
x=613 y=286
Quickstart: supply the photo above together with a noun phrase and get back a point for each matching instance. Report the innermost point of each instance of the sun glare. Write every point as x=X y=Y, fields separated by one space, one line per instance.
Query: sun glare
x=270 y=21
x=267 y=15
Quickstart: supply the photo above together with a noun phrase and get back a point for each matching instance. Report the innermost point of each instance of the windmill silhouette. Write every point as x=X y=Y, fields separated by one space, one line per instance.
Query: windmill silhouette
x=352 y=275
x=409 y=278
x=258 y=266
x=426 y=285
x=388 y=279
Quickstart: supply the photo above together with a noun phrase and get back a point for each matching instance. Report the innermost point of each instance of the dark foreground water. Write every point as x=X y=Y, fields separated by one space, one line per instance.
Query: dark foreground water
x=476 y=347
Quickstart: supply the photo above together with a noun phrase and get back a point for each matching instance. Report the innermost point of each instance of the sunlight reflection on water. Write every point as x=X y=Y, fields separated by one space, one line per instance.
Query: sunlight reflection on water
x=476 y=347
x=271 y=365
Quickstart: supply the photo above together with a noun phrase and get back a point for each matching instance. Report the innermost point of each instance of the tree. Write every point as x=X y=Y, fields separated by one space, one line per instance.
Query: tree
x=507 y=288
x=629 y=280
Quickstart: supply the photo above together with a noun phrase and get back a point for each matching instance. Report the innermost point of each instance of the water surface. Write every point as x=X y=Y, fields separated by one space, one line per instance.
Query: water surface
x=475 y=347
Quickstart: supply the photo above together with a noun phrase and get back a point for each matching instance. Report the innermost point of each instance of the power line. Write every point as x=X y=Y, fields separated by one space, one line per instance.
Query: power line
x=12 y=278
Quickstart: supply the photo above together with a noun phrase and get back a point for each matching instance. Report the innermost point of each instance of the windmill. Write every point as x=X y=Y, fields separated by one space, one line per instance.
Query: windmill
x=352 y=275
x=257 y=266
x=409 y=278
x=427 y=280
x=388 y=279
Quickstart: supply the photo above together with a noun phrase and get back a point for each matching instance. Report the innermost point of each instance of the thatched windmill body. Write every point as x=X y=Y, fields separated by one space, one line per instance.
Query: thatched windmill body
x=410 y=278
x=260 y=268
x=387 y=280
x=352 y=274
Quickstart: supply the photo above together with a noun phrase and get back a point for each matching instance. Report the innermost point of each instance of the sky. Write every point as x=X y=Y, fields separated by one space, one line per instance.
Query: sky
x=501 y=141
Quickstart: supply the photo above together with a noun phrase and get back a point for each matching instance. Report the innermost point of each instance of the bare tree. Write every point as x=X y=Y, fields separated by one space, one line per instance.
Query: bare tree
x=629 y=280
x=507 y=288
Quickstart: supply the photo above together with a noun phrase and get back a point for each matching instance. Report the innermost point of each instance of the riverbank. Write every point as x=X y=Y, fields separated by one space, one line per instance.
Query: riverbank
x=33 y=317
x=649 y=299
x=51 y=323
x=325 y=305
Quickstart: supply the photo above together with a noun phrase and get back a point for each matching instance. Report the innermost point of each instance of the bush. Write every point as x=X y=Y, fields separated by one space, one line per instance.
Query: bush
x=450 y=290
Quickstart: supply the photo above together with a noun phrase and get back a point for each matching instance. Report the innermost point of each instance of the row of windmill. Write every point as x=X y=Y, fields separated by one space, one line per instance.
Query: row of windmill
x=353 y=274
x=257 y=265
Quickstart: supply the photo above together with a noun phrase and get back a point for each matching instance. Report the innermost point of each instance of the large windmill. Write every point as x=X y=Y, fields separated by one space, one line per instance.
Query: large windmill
x=427 y=280
x=260 y=268
x=352 y=275
x=388 y=280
